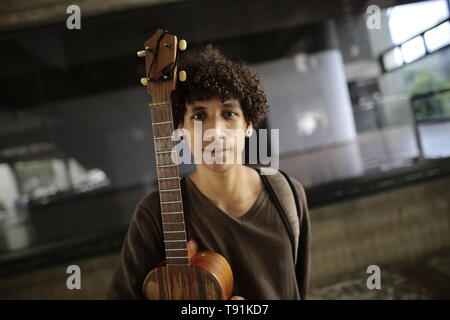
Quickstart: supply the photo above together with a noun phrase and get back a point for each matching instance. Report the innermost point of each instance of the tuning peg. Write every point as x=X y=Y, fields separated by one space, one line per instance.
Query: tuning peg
x=144 y=81
x=182 y=45
x=141 y=53
x=182 y=75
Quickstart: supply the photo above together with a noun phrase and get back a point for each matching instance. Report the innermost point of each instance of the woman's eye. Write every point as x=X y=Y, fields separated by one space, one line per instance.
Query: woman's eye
x=230 y=113
x=197 y=116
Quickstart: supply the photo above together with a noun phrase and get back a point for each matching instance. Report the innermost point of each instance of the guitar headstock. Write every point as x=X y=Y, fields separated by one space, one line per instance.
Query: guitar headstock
x=160 y=53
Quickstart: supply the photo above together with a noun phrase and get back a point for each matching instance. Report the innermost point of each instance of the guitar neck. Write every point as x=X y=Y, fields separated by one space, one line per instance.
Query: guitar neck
x=172 y=213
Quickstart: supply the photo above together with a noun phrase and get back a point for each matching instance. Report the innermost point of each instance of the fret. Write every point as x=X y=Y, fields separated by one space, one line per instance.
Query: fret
x=166 y=137
x=174 y=236
x=173 y=222
x=158 y=152
x=174 y=226
x=168 y=178
x=176 y=231
x=175 y=212
x=173 y=242
x=182 y=240
x=166 y=166
x=162 y=122
x=169 y=246
x=170 y=197
x=159 y=104
x=173 y=253
x=170 y=190
x=166 y=169
x=176 y=205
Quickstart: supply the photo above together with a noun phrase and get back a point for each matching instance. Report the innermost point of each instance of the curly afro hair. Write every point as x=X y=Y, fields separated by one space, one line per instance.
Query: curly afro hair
x=212 y=75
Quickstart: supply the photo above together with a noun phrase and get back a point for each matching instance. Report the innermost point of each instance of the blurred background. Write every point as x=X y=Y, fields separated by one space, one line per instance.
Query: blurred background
x=363 y=86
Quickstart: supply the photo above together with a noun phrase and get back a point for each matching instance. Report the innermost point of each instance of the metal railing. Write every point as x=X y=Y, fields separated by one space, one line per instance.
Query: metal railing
x=426 y=108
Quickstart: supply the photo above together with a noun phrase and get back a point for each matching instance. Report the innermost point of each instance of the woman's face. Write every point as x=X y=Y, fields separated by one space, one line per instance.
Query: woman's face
x=215 y=131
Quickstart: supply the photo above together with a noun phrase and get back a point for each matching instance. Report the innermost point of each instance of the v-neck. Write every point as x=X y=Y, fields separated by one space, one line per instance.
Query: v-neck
x=250 y=212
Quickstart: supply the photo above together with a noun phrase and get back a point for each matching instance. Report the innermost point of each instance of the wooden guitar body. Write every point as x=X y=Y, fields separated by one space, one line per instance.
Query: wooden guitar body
x=207 y=277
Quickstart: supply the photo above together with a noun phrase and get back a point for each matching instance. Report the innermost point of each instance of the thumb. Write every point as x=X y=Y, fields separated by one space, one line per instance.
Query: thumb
x=192 y=247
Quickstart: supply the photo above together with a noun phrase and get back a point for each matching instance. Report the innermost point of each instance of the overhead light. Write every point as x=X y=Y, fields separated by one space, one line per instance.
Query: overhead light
x=413 y=49
x=438 y=37
x=392 y=59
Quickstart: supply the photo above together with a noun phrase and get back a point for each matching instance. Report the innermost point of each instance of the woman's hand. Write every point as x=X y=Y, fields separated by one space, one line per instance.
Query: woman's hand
x=192 y=250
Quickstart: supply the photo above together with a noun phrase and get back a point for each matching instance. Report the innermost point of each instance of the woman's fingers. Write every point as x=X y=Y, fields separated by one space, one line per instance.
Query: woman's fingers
x=192 y=248
x=237 y=298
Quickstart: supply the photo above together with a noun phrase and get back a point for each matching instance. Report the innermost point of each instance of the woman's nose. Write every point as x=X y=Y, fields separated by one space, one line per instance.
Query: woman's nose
x=217 y=127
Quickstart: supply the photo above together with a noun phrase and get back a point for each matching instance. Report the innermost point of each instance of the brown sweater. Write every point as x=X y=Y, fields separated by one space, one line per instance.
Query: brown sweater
x=256 y=245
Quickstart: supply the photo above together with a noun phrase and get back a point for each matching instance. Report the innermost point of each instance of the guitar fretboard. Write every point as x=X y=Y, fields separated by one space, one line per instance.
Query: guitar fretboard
x=172 y=213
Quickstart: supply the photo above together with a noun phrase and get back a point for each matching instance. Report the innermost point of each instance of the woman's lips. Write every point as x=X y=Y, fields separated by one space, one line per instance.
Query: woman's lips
x=213 y=151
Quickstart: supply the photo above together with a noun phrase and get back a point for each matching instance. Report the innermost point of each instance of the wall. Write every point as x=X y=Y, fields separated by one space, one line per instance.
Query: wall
x=398 y=226
x=308 y=94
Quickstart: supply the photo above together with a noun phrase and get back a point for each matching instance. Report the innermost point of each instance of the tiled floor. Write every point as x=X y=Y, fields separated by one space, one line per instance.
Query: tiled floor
x=426 y=279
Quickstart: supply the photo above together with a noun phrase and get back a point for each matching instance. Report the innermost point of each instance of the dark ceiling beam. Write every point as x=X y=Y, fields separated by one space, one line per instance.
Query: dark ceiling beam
x=20 y=14
x=101 y=56
x=206 y=20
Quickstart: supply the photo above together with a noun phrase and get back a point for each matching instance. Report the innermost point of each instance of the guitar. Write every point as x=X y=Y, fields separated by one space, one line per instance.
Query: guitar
x=184 y=274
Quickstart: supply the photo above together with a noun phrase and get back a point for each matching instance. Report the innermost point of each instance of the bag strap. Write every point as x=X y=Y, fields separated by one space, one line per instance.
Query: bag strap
x=297 y=215
x=284 y=197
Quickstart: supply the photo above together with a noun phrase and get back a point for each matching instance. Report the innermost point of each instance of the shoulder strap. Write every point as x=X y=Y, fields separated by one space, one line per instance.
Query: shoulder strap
x=294 y=216
x=284 y=196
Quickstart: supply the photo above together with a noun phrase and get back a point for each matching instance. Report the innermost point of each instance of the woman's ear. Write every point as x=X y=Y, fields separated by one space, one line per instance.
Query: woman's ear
x=249 y=125
x=249 y=129
x=180 y=127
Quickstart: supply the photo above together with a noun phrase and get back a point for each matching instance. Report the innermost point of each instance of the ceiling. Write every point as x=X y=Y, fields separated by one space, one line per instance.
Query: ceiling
x=24 y=14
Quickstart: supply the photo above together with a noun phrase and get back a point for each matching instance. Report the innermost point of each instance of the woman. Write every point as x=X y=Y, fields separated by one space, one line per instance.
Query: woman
x=230 y=212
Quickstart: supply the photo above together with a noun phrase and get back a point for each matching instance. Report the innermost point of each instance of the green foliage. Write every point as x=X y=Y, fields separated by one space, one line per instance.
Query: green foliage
x=425 y=80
